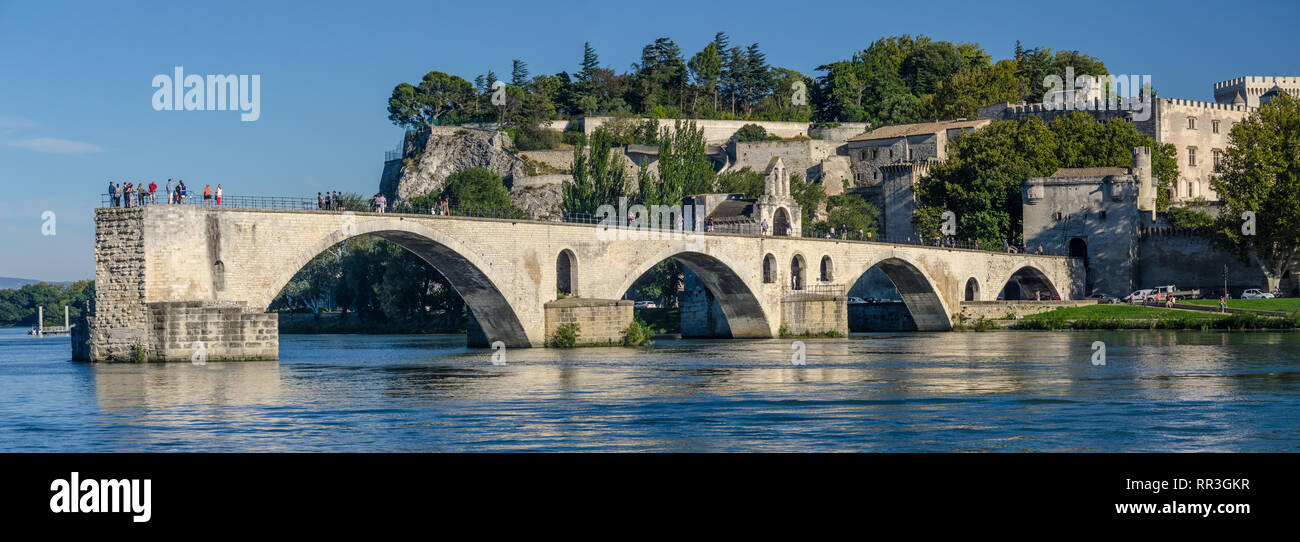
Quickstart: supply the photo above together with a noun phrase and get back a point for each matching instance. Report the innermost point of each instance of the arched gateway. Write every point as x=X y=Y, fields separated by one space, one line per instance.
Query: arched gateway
x=168 y=276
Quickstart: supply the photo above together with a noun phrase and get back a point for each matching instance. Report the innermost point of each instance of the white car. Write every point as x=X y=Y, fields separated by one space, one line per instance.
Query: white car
x=645 y=305
x=1140 y=296
x=1254 y=293
x=857 y=301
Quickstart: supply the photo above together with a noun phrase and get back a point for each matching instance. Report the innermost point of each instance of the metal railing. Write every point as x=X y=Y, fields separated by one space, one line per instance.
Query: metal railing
x=395 y=154
x=750 y=229
x=822 y=289
x=227 y=202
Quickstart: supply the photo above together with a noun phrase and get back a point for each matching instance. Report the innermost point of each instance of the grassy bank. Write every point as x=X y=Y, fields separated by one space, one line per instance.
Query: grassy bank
x=1116 y=311
x=1285 y=304
x=1141 y=317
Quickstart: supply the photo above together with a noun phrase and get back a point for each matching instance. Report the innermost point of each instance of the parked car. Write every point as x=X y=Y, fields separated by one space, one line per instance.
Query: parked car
x=644 y=305
x=857 y=301
x=1165 y=291
x=1255 y=293
x=1103 y=298
x=1140 y=296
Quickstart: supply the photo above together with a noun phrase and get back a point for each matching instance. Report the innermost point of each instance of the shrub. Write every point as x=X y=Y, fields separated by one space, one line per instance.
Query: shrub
x=753 y=132
x=139 y=352
x=638 y=333
x=566 y=336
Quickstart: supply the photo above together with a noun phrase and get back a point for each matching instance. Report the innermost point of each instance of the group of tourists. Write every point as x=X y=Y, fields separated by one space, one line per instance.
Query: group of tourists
x=379 y=202
x=441 y=207
x=135 y=195
x=844 y=233
x=329 y=201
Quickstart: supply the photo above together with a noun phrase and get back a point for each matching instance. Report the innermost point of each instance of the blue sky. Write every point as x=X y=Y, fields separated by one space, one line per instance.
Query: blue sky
x=75 y=79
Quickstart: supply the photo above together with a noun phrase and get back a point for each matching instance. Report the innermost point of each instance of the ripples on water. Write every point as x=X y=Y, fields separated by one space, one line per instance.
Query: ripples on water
x=996 y=391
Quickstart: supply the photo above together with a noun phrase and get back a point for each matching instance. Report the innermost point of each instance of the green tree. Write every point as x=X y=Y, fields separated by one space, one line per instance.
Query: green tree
x=809 y=196
x=981 y=179
x=753 y=132
x=975 y=87
x=437 y=95
x=598 y=175
x=743 y=181
x=479 y=191
x=1258 y=183
x=684 y=168
x=846 y=212
x=706 y=71
x=518 y=73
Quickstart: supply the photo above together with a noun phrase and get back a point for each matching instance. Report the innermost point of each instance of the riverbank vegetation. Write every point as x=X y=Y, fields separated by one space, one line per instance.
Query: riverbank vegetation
x=1142 y=317
x=1281 y=304
x=18 y=305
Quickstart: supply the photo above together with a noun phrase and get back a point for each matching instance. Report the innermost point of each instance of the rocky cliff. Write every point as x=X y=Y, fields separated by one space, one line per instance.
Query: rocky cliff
x=433 y=156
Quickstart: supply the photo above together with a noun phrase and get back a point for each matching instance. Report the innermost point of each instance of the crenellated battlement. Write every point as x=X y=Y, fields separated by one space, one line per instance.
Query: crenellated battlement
x=1204 y=105
x=1257 y=80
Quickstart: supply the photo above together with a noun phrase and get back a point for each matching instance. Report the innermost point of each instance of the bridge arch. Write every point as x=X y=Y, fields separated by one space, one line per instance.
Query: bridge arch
x=780 y=220
x=1028 y=281
x=919 y=292
x=566 y=272
x=463 y=268
x=733 y=292
x=798 y=272
x=972 y=290
x=769 y=268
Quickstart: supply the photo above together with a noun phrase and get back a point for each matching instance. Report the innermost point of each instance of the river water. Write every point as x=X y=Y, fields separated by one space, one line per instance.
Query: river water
x=897 y=392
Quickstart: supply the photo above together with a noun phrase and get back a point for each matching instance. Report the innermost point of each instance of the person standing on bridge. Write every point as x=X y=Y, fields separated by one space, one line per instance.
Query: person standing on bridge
x=207 y=195
x=220 y=193
x=112 y=194
x=153 y=192
x=320 y=202
x=168 y=194
x=763 y=227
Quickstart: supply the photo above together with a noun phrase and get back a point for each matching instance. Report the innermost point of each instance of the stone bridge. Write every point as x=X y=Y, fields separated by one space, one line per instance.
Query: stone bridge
x=174 y=281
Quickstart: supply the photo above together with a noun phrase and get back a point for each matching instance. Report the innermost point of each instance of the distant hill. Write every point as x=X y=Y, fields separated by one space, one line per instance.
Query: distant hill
x=7 y=283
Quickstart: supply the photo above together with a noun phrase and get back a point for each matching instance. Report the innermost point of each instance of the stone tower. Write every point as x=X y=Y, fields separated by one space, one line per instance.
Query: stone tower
x=776 y=206
x=1142 y=174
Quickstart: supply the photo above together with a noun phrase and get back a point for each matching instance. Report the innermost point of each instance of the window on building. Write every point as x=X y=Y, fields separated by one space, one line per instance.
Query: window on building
x=1101 y=215
x=1191 y=156
x=1218 y=156
x=1215 y=126
x=1056 y=215
x=1191 y=123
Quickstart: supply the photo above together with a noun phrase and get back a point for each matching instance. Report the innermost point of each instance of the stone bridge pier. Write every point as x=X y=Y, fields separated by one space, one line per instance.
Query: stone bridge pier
x=176 y=282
